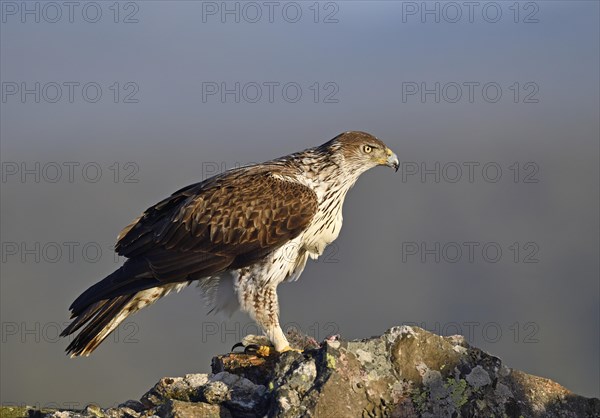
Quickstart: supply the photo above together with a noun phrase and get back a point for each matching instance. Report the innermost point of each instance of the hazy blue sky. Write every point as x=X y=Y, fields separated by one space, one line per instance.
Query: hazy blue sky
x=490 y=228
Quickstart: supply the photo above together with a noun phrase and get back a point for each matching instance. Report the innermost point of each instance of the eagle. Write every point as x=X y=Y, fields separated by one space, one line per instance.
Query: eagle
x=238 y=235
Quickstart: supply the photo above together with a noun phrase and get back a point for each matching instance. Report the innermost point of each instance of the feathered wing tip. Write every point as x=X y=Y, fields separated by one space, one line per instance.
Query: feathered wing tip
x=100 y=319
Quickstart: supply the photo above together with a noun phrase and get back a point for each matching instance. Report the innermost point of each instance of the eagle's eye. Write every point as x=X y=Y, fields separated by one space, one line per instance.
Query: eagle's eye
x=367 y=148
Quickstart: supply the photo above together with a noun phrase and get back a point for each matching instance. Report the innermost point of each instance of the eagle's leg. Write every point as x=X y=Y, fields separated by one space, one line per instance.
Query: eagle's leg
x=259 y=300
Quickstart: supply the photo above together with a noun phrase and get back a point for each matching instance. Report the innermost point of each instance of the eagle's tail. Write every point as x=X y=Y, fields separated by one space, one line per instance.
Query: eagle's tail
x=101 y=308
x=100 y=319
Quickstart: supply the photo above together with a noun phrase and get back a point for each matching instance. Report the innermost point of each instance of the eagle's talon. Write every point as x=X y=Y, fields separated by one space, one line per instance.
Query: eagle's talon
x=264 y=351
x=259 y=350
x=258 y=345
x=236 y=345
x=250 y=348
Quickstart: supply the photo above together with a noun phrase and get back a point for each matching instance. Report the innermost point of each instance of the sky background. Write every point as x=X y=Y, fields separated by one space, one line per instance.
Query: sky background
x=493 y=113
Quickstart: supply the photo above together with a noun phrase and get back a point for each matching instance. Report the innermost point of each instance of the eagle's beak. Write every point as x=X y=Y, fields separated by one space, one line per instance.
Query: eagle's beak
x=392 y=159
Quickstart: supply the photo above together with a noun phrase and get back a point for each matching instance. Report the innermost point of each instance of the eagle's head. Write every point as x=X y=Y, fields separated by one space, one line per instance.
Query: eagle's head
x=362 y=151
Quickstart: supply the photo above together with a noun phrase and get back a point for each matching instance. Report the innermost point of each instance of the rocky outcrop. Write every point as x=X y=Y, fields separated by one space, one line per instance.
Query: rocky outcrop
x=406 y=372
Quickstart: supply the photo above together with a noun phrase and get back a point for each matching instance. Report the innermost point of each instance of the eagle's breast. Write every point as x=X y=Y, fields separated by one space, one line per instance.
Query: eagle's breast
x=327 y=222
x=330 y=183
x=320 y=234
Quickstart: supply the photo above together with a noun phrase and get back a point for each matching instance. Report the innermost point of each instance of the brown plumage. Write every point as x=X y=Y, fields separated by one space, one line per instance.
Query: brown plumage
x=243 y=231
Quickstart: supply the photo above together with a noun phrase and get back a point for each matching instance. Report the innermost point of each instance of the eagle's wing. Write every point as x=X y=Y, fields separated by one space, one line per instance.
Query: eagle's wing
x=243 y=213
x=229 y=221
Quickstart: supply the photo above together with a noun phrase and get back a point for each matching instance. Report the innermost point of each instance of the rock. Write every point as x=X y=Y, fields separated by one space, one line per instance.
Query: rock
x=406 y=372
x=10 y=411
x=94 y=411
x=478 y=378
x=240 y=395
x=135 y=406
x=179 y=388
x=179 y=409
x=257 y=369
